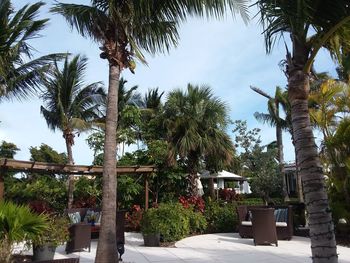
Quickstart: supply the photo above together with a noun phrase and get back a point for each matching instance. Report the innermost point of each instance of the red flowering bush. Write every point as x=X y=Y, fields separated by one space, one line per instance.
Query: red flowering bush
x=133 y=218
x=40 y=207
x=196 y=201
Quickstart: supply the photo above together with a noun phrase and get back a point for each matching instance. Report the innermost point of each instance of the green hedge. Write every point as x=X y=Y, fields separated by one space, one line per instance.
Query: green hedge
x=173 y=221
x=221 y=217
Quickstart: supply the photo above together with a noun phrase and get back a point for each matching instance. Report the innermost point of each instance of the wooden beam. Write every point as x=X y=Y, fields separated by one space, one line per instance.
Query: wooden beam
x=50 y=168
x=146 y=193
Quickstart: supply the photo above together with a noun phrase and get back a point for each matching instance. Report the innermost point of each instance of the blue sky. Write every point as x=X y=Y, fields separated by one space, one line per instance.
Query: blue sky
x=227 y=55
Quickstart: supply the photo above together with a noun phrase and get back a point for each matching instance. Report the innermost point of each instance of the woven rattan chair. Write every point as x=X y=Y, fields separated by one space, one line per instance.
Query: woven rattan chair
x=264 y=226
x=79 y=237
x=63 y=260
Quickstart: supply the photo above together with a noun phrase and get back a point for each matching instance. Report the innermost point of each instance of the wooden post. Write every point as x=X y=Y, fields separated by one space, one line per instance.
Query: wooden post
x=146 y=192
x=2 y=186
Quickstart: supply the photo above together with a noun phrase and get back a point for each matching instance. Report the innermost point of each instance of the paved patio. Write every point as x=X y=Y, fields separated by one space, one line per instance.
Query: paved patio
x=226 y=247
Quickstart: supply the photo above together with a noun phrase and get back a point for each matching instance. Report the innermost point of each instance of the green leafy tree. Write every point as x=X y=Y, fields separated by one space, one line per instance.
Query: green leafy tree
x=20 y=74
x=128 y=120
x=8 y=149
x=273 y=119
x=338 y=151
x=311 y=25
x=196 y=123
x=70 y=105
x=45 y=153
x=257 y=162
x=152 y=128
x=124 y=29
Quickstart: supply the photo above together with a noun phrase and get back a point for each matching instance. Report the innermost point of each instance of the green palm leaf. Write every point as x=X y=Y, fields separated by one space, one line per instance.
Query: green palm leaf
x=21 y=75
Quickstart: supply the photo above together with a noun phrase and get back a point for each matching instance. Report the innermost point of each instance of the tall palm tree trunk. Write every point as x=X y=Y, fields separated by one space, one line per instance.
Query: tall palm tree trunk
x=69 y=138
x=323 y=245
x=280 y=154
x=107 y=246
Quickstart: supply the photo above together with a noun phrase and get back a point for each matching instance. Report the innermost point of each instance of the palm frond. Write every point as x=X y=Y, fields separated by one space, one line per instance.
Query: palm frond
x=88 y=20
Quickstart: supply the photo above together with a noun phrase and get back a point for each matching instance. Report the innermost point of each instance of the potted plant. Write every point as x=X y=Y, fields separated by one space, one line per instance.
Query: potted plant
x=44 y=246
x=17 y=224
x=150 y=227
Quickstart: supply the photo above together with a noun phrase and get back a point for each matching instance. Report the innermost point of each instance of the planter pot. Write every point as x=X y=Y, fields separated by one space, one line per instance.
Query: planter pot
x=45 y=252
x=151 y=240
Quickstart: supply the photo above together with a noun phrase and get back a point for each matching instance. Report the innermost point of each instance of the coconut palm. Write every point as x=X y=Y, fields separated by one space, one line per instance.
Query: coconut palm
x=124 y=29
x=70 y=105
x=20 y=74
x=196 y=123
x=311 y=25
x=273 y=118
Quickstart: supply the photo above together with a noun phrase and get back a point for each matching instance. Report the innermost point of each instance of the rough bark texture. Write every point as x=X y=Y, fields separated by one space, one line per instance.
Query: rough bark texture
x=69 y=138
x=323 y=245
x=107 y=246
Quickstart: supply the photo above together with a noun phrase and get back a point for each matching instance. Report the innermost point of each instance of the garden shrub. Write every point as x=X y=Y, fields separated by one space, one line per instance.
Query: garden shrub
x=198 y=223
x=46 y=189
x=88 y=192
x=196 y=202
x=174 y=224
x=247 y=200
x=133 y=218
x=221 y=217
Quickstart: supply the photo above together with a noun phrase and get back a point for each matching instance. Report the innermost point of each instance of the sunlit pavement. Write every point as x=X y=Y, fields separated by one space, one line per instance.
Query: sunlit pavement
x=223 y=247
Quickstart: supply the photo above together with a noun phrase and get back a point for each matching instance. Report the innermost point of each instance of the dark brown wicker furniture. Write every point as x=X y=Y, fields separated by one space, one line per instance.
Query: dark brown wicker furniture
x=264 y=226
x=79 y=237
x=79 y=240
x=63 y=260
x=284 y=229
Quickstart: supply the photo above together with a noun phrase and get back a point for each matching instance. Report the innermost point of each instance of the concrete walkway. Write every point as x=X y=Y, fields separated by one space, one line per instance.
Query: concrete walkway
x=226 y=247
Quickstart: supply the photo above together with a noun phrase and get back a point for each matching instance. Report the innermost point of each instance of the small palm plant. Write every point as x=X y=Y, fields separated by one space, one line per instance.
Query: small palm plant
x=17 y=224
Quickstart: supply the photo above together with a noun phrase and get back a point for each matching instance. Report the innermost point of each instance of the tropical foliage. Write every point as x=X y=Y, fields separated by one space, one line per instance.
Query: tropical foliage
x=123 y=29
x=311 y=26
x=196 y=123
x=18 y=224
x=70 y=105
x=20 y=74
x=257 y=162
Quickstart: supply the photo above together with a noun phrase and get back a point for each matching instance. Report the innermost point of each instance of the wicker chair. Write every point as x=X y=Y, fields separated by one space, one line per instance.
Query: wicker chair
x=284 y=230
x=79 y=237
x=63 y=260
x=264 y=226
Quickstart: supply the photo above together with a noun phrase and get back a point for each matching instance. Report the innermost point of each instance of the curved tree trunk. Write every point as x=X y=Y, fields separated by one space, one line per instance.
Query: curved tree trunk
x=69 y=138
x=107 y=245
x=323 y=245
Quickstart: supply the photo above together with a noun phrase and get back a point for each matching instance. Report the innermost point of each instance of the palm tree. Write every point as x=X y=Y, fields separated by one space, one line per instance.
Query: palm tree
x=151 y=127
x=20 y=74
x=71 y=106
x=152 y=99
x=311 y=25
x=18 y=224
x=196 y=123
x=274 y=119
x=123 y=29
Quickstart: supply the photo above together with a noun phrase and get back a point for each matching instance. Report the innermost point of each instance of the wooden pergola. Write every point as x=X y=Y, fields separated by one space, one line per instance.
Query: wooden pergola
x=11 y=165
